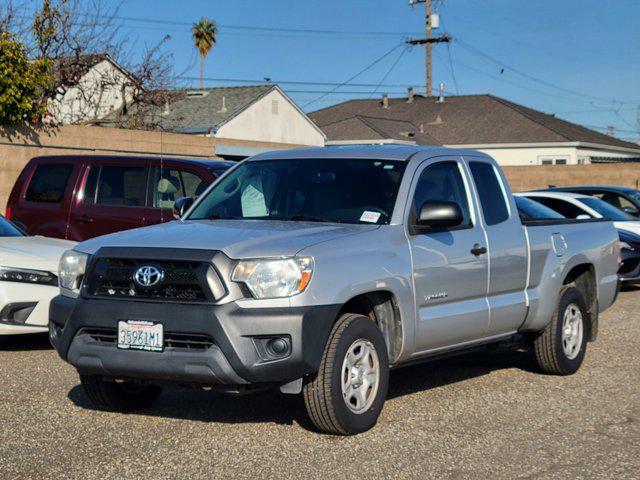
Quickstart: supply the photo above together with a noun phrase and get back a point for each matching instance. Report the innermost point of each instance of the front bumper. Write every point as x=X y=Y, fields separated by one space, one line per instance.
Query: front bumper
x=83 y=332
x=24 y=307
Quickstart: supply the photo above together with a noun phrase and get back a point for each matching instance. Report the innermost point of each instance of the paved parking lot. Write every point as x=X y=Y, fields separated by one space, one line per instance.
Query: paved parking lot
x=485 y=415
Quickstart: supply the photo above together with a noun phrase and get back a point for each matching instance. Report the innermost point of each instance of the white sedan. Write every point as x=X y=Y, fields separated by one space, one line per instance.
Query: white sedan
x=28 y=279
x=577 y=205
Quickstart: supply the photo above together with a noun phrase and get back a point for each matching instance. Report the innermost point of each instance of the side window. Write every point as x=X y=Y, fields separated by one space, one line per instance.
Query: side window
x=174 y=184
x=563 y=207
x=492 y=200
x=90 y=184
x=48 y=183
x=442 y=182
x=121 y=185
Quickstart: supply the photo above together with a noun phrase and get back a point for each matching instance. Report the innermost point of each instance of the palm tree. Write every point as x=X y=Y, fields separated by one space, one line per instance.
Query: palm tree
x=204 y=38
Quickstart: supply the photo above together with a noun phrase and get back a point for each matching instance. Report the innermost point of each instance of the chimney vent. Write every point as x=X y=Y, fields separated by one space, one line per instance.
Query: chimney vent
x=385 y=100
x=441 y=94
x=410 y=95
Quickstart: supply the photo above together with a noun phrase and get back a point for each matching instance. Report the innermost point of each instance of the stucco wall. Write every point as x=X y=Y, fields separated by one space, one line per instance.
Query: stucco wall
x=534 y=155
x=97 y=94
x=278 y=122
x=528 y=178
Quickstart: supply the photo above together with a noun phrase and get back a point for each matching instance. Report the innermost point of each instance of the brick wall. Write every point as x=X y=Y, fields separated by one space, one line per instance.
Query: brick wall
x=541 y=176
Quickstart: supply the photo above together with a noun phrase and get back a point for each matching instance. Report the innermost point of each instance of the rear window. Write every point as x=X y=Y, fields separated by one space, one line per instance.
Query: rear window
x=48 y=183
x=494 y=205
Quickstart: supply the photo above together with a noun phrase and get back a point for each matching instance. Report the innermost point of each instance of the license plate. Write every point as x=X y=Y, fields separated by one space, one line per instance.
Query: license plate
x=140 y=335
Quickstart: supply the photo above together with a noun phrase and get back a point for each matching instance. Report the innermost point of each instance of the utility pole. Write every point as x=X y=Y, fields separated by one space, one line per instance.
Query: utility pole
x=428 y=41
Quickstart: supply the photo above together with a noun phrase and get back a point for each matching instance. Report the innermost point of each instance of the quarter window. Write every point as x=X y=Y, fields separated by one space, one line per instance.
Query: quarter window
x=492 y=200
x=48 y=183
x=442 y=182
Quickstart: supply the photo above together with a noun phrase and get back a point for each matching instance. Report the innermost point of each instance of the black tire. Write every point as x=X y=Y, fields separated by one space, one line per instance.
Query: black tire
x=118 y=397
x=323 y=395
x=548 y=346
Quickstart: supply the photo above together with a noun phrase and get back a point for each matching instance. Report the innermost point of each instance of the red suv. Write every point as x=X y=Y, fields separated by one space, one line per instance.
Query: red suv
x=83 y=196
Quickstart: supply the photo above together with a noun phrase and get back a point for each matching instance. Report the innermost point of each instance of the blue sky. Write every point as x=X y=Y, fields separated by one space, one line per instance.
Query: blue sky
x=579 y=59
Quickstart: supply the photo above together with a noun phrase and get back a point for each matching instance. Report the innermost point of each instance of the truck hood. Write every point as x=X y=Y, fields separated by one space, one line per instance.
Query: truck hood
x=236 y=238
x=37 y=253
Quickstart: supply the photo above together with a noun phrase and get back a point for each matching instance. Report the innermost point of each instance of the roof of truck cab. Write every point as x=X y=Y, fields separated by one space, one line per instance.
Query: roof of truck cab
x=207 y=162
x=374 y=152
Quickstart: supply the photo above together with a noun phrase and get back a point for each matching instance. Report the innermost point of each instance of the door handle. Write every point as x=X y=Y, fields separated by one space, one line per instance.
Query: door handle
x=478 y=249
x=85 y=219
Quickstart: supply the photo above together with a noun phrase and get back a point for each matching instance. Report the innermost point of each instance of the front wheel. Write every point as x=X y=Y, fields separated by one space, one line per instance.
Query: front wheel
x=561 y=347
x=118 y=397
x=346 y=396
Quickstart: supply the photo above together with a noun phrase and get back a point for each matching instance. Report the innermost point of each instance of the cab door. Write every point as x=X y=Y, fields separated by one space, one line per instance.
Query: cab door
x=507 y=248
x=450 y=267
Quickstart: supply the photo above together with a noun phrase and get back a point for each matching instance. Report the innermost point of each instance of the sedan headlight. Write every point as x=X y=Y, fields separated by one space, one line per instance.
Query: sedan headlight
x=71 y=271
x=274 y=278
x=23 y=275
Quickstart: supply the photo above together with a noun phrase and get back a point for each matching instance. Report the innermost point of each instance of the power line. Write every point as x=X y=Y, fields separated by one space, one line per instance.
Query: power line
x=298 y=82
x=375 y=62
x=523 y=74
x=395 y=64
x=453 y=73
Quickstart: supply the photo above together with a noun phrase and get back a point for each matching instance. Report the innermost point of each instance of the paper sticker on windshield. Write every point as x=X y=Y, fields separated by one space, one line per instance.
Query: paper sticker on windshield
x=370 y=217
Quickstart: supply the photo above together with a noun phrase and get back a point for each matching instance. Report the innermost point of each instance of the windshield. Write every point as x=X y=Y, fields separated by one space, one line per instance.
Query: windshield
x=8 y=230
x=606 y=210
x=320 y=190
x=531 y=209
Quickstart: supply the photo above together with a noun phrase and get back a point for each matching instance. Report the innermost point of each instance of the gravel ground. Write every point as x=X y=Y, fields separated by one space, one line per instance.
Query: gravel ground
x=483 y=415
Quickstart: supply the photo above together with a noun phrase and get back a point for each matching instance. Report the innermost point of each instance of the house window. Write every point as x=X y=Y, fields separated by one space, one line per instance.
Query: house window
x=553 y=160
x=274 y=107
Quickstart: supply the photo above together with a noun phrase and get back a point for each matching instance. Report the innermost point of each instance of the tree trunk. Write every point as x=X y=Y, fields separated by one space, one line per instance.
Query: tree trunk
x=201 y=71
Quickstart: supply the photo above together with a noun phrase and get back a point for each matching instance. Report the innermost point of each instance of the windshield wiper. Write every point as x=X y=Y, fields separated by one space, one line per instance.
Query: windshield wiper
x=217 y=216
x=306 y=218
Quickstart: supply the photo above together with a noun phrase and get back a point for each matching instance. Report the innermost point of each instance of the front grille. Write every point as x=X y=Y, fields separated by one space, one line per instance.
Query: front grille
x=183 y=341
x=183 y=280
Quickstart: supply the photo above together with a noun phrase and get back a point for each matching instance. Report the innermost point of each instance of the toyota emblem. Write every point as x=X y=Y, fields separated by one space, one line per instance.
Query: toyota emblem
x=148 y=276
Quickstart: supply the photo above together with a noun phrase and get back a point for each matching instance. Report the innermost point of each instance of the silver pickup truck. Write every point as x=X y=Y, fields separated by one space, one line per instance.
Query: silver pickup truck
x=316 y=271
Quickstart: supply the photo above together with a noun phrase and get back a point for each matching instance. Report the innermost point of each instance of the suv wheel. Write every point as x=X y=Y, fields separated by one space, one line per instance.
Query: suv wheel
x=347 y=394
x=561 y=346
x=120 y=397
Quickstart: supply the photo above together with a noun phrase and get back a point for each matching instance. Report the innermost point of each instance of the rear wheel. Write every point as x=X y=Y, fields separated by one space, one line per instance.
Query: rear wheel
x=561 y=347
x=347 y=394
x=120 y=397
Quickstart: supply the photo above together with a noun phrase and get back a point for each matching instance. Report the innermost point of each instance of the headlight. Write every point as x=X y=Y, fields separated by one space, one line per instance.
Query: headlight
x=274 y=278
x=10 y=274
x=71 y=271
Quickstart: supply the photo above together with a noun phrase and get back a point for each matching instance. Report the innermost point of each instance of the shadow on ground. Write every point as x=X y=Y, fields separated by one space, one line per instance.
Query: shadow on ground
x=33 y=341
x=274 y=407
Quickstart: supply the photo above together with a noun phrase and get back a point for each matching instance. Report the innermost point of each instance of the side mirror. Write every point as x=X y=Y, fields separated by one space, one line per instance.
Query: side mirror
x=438 y=215
x=181 y=206
x=631 y=211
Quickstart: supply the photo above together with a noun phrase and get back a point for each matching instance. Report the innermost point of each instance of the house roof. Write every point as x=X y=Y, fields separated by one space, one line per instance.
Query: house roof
x=205 y=109
x=459 y=120
x=69 y=70
x=373 y=128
